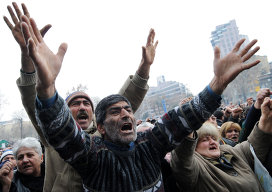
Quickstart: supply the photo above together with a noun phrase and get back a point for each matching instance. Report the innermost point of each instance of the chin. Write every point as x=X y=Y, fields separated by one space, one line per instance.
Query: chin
x=128 y=139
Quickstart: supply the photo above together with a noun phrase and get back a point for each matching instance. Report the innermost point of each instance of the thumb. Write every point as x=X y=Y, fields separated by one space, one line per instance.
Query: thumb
x=44 y=30
x=62 y=50
x=143 y=52
x=216 y=53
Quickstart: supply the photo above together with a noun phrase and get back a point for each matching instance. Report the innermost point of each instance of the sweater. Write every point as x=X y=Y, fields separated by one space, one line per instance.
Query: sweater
x=105 y=167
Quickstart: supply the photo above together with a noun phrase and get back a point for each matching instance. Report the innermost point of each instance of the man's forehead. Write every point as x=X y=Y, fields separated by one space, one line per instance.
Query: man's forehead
x=80 y=99
x=8 y=156
x=119 y=104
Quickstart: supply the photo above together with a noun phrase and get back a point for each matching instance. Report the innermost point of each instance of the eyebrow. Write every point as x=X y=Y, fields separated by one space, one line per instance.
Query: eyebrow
x=119 y=108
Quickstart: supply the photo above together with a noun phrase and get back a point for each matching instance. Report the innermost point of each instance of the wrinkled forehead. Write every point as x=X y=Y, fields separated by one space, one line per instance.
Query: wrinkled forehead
x=119 y=105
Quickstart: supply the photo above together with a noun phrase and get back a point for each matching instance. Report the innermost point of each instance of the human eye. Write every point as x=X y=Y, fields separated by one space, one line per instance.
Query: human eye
x=115 y=112
x=129 y=109
x=87 y=103
x=20 y=157
x=75 y=103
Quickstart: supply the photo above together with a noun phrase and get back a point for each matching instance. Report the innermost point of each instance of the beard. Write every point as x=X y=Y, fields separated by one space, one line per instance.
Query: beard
x=114 y=134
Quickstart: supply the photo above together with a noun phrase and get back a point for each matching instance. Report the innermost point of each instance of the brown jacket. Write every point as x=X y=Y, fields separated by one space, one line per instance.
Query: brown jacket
x=196 y=173
x=59 y=175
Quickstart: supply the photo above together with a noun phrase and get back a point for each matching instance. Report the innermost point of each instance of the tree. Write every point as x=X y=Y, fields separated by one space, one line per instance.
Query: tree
x=79 y=87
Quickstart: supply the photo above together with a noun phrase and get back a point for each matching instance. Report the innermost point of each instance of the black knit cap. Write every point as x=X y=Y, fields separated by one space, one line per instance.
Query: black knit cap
x=104 y=104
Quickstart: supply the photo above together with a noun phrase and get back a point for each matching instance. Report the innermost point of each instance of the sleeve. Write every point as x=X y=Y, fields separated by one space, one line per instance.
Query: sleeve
x=134 y=89
x=64 y=134
x=181 y=121
x=184 y=163
x=261 y=142
x=26 y=84
x=252 y=117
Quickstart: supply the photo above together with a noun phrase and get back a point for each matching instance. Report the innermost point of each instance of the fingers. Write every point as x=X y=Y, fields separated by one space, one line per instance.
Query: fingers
x=26 y=13
x=31 y=50
x=250 y=54
x=248 y=47
x=238 y=45
x=12 y=15
x=44 y=30
x=216 y=53
x=17 y=10
x=36 y=30
x=266 y=103
x=62 y=50
x=29 y=29
x=155 y=46
x=150 y=38
x=10 y=26
x=249 y=65
x=26 y=32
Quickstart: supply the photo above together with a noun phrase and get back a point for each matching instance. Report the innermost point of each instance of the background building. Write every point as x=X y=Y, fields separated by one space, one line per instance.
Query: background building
x=165 y=96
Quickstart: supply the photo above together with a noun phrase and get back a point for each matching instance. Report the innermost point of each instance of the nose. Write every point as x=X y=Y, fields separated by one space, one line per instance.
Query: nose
x=124 y=113
x=25 y=159
x=212 y=141
x=82 y=106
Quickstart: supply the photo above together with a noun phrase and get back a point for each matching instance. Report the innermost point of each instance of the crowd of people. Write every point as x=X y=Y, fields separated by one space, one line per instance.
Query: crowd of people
x=200 y=145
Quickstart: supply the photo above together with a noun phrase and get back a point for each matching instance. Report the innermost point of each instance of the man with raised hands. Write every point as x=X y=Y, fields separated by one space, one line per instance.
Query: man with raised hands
x=121 y=160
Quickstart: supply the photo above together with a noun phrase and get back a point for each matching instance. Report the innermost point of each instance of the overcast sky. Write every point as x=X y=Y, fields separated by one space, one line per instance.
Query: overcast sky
x=105 y=37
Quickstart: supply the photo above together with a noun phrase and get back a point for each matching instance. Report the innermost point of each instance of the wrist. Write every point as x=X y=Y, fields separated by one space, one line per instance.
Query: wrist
x=143 y=70
x=27 y=64
x=217 y=86
x=45 y=93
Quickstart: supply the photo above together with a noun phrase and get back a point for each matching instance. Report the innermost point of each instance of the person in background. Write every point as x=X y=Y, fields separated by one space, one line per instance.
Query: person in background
x=201 y=164
x=252 y=118
x=7 y=155
x=230 y=133
x=219 y=115
x=30 y=168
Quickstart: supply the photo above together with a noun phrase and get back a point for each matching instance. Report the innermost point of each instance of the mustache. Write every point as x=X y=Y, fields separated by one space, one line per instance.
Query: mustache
x=82 y=114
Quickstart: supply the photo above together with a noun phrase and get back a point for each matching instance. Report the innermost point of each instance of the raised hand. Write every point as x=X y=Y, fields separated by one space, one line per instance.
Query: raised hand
x=6 y=175
x=27 y=65
x=263 y=93
x=148 y=55
x=228 y=68
x=265 y=123
x=47 y=64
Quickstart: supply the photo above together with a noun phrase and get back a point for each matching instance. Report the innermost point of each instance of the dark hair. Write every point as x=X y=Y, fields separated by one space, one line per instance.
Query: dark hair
x=102 y=106
x=218 y=114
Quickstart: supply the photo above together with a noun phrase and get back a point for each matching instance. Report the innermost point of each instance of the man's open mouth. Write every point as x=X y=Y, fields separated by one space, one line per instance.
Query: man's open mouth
x=127 y=128
x=82 y=117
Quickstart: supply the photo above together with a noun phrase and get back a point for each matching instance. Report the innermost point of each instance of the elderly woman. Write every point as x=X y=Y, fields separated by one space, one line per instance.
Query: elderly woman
x=201 y=164
x=230 y=131
x=30 y=174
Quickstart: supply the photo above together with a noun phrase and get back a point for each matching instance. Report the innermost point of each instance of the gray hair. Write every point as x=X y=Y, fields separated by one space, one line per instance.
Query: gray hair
x=208 y=129
x=28 y=142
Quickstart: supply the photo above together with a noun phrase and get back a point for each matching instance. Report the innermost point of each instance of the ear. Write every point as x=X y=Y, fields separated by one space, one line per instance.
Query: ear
x=42 y=158
x=101 y=129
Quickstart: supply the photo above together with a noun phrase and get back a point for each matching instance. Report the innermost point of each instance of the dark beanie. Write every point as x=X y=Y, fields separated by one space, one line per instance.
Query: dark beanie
x=78 y=94
x=218 y=114
x=102 y=106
